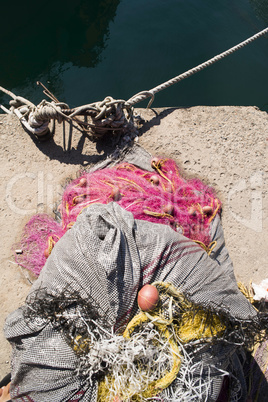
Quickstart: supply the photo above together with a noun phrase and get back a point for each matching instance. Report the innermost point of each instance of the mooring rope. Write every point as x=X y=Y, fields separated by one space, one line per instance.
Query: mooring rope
x=146 y=94
x=107 y=116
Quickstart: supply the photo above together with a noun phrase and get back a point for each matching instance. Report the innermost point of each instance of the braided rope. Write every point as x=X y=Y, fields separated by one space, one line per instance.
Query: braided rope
x=146 y=94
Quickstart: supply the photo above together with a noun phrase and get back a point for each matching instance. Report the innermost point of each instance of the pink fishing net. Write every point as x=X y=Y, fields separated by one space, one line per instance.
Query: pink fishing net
x=38 y=238
x=162 y=196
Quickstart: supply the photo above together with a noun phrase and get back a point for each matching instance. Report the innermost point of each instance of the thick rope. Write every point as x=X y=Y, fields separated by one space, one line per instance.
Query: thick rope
x=146 y=94
x=109 y=116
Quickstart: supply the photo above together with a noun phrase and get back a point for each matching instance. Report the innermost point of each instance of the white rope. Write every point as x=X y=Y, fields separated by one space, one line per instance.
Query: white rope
x=31 y=125
x=146 y=94
x=17 y=98
x=107 y=116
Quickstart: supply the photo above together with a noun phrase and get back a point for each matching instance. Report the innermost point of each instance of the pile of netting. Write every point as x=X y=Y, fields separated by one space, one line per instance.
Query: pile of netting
x=161 y=355
x=159 y=196
x=81 y=335
x=165 y=369
x=165 y=354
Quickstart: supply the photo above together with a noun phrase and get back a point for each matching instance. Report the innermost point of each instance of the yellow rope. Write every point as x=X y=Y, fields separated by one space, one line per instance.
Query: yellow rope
x=157 y=166
x=51 y=243
x=216 y=210
x=208 y=248
x=133 y=184
x=157 y=214
x=67 y=208
x=156 y=386
x=126 y=166
x=70 y=224
x=247 y=291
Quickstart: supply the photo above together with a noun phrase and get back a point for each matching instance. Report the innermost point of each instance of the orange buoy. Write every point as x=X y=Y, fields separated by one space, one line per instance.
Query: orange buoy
x=79 y=199
x=148 y=298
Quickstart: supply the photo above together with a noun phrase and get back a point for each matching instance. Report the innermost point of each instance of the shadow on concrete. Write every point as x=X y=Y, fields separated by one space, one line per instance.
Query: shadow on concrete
x=159 y=114
x=87 y=152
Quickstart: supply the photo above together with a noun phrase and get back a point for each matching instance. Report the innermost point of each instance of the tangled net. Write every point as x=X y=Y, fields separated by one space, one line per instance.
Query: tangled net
x=153 y=359
x=162 y=196
x=157 y=354
x=38 y=238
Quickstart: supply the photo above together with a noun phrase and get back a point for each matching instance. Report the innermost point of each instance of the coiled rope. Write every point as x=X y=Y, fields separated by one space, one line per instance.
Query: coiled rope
x=107 y=116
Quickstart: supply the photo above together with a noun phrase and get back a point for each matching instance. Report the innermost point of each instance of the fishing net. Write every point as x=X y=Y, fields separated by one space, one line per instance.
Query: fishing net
x=165 y=331
x=39 y=237
x=81 y=336
x=162 y=196
x=159 y=196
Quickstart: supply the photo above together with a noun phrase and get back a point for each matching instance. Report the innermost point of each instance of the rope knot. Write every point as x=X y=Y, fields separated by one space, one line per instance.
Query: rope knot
x=110 y=118
x=46 y=111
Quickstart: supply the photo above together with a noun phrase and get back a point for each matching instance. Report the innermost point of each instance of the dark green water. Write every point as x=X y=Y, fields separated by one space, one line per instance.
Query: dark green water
x=85 y=50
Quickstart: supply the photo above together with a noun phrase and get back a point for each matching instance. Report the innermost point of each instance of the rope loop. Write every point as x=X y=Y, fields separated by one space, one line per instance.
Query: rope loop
x=139 y=97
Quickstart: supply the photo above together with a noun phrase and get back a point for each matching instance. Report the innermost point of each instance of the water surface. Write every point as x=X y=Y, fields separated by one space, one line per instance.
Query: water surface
x=85 y=50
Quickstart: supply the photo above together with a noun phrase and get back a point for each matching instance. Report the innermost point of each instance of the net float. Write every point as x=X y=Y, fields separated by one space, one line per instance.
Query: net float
x=168 y=209
x=154 y=179
x=207 y=210
x=115 y=194
x=155 y=161
x=117 y=399
x=82 y=182
x=148 y=298
x=78 y=199
x=46 y=253
x=192 y=211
